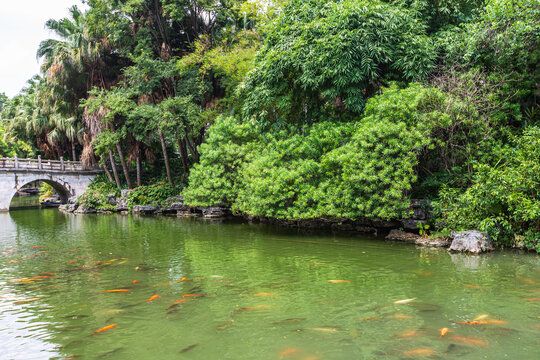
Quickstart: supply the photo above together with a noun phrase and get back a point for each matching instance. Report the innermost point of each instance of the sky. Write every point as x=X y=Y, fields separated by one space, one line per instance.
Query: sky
x=22 y=28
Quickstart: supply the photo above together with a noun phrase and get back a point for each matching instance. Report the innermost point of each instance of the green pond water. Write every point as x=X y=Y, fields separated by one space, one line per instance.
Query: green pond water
x=264 y=293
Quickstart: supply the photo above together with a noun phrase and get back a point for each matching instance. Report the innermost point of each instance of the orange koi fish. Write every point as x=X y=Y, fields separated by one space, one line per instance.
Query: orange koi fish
x=481 y=317
x=73 y=250
x=13 y=261
x=223 y=281
x=472 y=322
x=108 y=327
x=178 y=302
x=399 y=316
x=97 y=263
x=183 y=279
x=421 y=352
x=469 y=340
x=498 y=322
x=115 y=290
x=51 y=274
x=190 y=295
x=527 y=281
x=288 y=352
x=26 y=301
x=71 y=262
x=404 y=301
x=154 y=297
x=532 y=299
x=407 y=334
x=42 y=277
x=471 y=286
x=22 y=280
x=135 y=281
x=37 y=247
x=338 y=281
x=444 y=331
x=31 y=256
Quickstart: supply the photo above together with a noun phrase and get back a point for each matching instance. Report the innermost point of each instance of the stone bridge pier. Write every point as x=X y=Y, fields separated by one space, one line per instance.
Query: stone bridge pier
x=69 y=180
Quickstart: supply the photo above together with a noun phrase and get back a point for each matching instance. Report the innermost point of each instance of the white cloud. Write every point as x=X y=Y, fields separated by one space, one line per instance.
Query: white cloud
x=22 y=28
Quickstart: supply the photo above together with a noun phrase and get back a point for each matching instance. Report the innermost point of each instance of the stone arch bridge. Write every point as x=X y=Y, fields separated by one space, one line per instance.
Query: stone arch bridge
x=68 y=178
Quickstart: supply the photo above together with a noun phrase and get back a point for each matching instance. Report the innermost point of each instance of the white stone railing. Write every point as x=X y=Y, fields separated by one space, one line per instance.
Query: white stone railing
x=42 y=165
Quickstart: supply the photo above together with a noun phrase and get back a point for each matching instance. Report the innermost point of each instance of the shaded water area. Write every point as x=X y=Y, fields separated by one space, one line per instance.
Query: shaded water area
x=24 y=202
x=258 y=293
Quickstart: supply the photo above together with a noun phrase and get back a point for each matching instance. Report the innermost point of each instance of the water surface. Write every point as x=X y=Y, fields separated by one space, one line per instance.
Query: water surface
x=262 y=293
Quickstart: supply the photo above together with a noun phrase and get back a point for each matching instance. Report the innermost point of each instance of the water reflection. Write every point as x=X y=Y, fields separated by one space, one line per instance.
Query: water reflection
x=233 y=290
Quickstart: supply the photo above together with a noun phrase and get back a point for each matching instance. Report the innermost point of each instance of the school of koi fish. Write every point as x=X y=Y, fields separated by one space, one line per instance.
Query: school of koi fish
x=407 y=334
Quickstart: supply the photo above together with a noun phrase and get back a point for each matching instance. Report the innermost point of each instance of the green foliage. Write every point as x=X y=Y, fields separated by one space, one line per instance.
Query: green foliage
x=45 y=191
x=504 y=199
x=153 y=194
x=214 y=180
x=320 y=56
x=96 y=195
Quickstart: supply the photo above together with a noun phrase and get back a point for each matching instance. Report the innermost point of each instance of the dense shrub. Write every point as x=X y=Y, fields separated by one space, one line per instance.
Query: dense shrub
x=96 y=195
x=153 y=194
x=504 y=199
x=214 y=180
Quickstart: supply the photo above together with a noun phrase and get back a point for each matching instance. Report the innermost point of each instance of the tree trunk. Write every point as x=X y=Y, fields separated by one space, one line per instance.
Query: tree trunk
x=124 y=165
x=165 y=155
x=73 y=153
x=138 y=157
x=109 y=176
x=194 y=151
x=115 y=172
x=183 y=153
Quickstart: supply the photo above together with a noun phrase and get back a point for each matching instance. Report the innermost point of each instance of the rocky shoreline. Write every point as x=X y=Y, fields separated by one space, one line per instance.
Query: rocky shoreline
x=404 y=230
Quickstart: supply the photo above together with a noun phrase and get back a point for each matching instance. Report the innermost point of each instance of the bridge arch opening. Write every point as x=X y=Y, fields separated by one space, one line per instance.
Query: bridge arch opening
x=60 y=190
